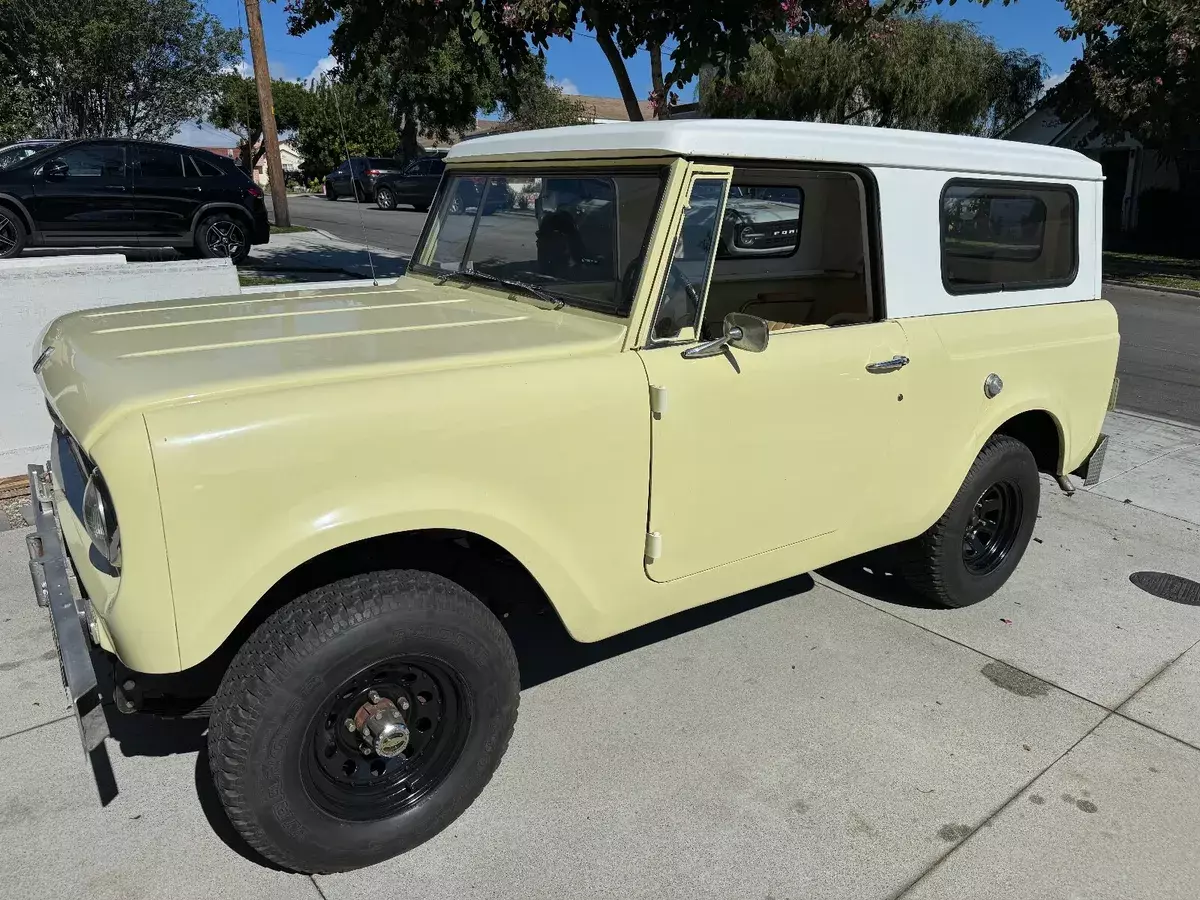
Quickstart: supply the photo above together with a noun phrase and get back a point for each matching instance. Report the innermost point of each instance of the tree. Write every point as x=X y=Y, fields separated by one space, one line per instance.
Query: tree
x=716 y=33
x=340 y=120
x=913 y=72
x=113 y=67
x=235 y=109
x=1139 y=72
x=534 y=102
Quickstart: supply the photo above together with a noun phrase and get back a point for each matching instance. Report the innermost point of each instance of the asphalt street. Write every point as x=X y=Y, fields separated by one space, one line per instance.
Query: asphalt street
x=363 y=223
x=1159 y=366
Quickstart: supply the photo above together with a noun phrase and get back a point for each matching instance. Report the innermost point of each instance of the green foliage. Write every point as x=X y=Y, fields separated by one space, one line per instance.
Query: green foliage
x=341 y=120
x=109 y=67
x=534 y=102
x=912 y=72
x=235 y=108
x=715 y=34
x=1139 y=72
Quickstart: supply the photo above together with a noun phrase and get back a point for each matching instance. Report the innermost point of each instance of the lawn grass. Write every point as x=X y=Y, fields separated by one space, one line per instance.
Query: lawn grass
x=247 y=280
x=1153 y=269
x=288 y=229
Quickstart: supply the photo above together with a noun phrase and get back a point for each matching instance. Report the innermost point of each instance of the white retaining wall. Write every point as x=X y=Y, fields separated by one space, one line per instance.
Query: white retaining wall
x=37 y=290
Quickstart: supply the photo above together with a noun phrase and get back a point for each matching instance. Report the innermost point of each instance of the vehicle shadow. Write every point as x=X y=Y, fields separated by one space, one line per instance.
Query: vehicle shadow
x=545 y=651
x=877 y=575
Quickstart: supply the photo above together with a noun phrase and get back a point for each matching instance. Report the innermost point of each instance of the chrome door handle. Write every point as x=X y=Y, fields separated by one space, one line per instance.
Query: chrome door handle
x=888 y=365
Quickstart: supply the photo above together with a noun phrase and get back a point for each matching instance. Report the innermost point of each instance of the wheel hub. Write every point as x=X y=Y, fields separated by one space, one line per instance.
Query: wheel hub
x=382 y=727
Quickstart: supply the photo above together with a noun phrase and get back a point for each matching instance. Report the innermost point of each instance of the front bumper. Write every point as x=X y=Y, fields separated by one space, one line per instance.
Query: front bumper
x=48 y=564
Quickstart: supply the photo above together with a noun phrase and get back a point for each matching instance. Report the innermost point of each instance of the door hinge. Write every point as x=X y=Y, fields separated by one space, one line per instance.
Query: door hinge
x=653 y=545
x=658 y=400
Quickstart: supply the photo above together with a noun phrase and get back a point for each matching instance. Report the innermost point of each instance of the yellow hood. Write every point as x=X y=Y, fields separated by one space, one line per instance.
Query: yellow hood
x=107 y=363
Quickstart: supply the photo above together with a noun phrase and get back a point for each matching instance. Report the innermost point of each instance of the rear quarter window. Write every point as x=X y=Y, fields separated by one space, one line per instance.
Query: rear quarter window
x=1008 y=236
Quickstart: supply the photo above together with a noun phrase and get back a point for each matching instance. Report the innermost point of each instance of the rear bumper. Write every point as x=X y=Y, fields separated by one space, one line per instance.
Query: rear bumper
x=48 y=565
x=261 y=232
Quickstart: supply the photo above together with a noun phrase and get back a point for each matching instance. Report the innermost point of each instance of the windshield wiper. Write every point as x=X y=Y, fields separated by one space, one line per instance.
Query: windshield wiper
x=533 y=289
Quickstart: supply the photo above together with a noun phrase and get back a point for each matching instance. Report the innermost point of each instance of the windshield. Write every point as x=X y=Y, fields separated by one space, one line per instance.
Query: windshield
x=578 y=237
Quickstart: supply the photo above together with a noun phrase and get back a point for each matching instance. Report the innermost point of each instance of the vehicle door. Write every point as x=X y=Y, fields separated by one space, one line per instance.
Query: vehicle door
x=340 y=178
x=757 y=451
x=167 y=191
x=429 y=179
x=407 y=184
x=84 y=192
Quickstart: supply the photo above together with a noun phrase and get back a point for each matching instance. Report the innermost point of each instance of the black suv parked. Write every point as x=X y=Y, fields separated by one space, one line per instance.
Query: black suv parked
x=357 y=176
x=121 y=193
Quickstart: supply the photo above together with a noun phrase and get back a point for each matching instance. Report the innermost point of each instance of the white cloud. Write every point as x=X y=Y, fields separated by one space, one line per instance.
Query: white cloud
x=324 y=66
x=1054 y=81
x=568 y=86
x=241 y=67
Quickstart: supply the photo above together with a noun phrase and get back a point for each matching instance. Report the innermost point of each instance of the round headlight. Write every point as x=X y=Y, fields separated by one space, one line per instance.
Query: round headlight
x=99 y=520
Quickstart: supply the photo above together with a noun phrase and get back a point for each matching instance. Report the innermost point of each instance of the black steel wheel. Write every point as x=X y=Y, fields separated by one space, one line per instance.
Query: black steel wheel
x=992 y=528
x=223 y=235
x=364 y=786
x=970 y=552
x=361 y=719
x=12 y=234
x=385 y=197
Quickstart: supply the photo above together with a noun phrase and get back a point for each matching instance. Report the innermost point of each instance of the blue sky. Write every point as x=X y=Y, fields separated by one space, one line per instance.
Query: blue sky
x=581 y=68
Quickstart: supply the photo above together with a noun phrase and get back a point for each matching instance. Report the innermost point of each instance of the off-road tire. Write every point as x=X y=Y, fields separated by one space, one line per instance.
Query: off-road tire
x=276 y=686
x=12 y=234
x=934 y=564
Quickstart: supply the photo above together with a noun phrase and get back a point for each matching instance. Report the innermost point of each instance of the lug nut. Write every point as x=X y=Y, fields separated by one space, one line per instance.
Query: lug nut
x=349 y=724
x=373 y=696
x=404 y=704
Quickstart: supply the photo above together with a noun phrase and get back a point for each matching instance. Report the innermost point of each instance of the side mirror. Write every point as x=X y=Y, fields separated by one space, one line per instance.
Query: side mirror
x=751 y=334
x=55 y=170
x=742 y=330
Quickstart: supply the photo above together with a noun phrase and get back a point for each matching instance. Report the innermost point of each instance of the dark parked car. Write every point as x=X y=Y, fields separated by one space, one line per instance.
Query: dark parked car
x=414 y=187
x=417 y=184
x=121 y=193
x=357 y=177
x=14 y=153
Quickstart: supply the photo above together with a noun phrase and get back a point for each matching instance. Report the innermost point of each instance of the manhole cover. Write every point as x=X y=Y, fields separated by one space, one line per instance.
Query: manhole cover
x=1168 y=587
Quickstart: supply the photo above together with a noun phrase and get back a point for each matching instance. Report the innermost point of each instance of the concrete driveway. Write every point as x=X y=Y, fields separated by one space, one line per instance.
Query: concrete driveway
x=822 y=737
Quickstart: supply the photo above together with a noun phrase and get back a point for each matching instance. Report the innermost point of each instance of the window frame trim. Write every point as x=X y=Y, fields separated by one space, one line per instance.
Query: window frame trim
x=1003 y=287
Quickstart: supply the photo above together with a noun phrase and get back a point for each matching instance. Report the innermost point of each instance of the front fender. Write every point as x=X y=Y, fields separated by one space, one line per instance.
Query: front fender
x=326 y=522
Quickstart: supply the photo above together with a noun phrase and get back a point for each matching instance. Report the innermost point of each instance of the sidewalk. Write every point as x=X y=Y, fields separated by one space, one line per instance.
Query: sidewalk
x=825 y=737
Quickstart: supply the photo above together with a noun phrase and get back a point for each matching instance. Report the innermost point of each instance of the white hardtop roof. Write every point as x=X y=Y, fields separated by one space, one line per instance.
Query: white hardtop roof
x=808 y=142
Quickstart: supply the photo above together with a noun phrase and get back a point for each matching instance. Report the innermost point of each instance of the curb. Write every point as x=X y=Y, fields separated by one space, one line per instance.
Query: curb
x=1186 y=292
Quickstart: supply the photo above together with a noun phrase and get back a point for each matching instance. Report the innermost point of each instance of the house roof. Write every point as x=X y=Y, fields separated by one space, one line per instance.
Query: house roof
x=612 y=108
x=798 y=141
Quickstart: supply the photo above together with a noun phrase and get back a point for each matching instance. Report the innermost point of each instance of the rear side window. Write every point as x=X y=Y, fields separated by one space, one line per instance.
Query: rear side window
x=158 y=162
x=761 y=220
x=205 y=168
x=1008 y=236
x=383 y=163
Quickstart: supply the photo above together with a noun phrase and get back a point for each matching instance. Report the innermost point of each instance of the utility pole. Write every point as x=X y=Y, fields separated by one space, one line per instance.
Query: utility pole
x=266 y=109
